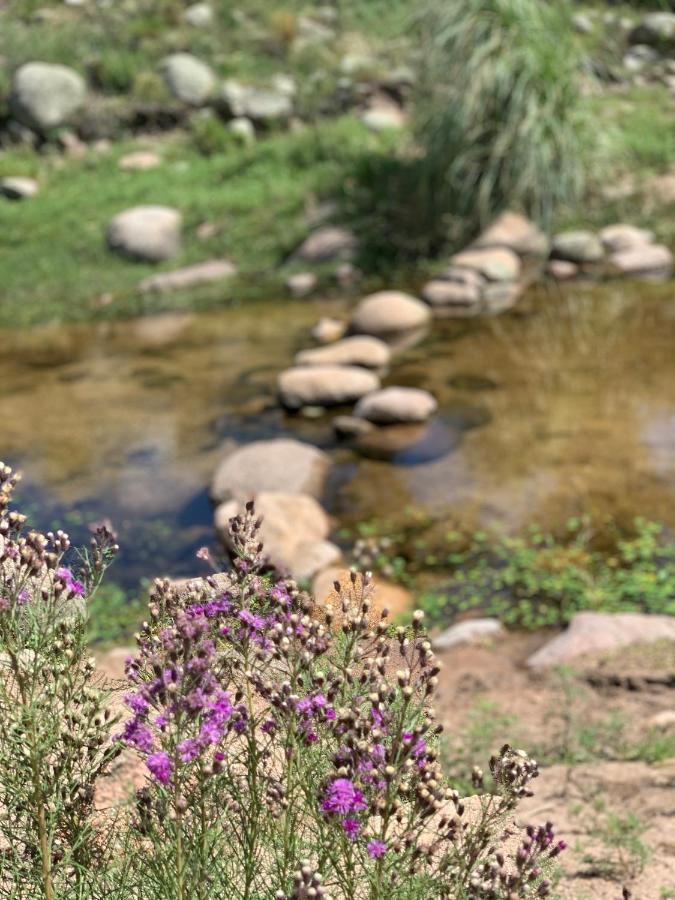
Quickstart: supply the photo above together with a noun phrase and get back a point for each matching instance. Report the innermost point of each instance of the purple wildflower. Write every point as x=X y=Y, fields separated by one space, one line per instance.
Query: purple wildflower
x=160 y=766
x=351 y=827
x=376 y=849
x=342 y=797
x=22 y=598
x=73 y=585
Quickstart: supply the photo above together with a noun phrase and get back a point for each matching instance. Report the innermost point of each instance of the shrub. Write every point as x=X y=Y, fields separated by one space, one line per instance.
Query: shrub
x=500 y=118
x=286 y=755
x=539 y=580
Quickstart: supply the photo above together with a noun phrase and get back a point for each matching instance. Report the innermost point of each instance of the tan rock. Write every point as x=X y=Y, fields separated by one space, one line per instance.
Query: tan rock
x=515 y=232
x=324 y=385
x=360 y=350
x=188 y=277
x=386 y=595
x=495 y=264
x=139 y=160
x=386 y=312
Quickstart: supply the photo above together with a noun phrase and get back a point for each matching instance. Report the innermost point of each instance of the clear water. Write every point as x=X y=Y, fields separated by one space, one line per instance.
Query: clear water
x=565 y=405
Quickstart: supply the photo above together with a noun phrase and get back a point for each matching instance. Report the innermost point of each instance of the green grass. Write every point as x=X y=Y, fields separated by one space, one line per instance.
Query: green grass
x=54 y=260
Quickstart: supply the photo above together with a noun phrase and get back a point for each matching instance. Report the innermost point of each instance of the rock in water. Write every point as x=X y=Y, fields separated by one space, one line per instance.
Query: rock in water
x=189 y=79
x=577 y=247
x=281 y=465
x=360 y=350
x=324 y=385
x=387 y=312
x=395 y=405
x=146 y=233
x=45 y=96
x=294 y=532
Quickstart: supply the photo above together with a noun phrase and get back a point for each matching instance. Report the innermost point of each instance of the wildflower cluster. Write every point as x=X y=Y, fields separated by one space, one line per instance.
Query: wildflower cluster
x=55 y=723
x=288 y=751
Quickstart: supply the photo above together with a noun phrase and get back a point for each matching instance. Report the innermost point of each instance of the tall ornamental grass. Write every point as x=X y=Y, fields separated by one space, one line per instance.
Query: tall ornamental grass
x=500 y=118
x=286 y=752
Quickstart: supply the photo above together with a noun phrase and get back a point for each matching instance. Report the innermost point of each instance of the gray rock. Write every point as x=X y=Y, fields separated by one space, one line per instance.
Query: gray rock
x=360 y=350
x=264 y=105
x=281 y=465
x=188 y=277
x=243 y=129
x=590 y=632
x=387 y=312
x=616 y=238
x=470 y=632
x=639 y=57
x=351 y=426
x=656 y=29
x=294 y=531
x=189 y=79
x=45 y=96
x=146 y=233
x=582 y=22
x=199 y=15
x=577 y=247
x=327 y=330
x=654 y=260
x=500 y=296
x=452 y=298
x=493 y=263
x=326 y=244
x=324 y=385
x=396 y=405
x=301 y=284
x=514 y=232
x=16 y=187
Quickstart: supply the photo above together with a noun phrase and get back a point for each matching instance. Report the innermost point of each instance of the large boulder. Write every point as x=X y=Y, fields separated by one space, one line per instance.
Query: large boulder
x=263 y=105
x=324 y=385
x=493 y=263
x=278 y=465
x=387 y=312
x=651 y=260
x=189 y=79
x=591 y=632
x=146 y=233
x=188 y=277
x=656 y=29
x=515 y=232
x=294 y=532
x=327 y=244
x=45 y=96
x=394 y=405
x=359 y=350
x=577 y=247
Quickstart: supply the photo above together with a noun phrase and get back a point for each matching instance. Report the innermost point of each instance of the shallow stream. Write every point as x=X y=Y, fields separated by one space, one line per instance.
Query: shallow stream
x=565 y=405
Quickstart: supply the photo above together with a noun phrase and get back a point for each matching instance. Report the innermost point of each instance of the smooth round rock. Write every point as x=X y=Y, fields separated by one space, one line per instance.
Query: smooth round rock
x=650 y=259
x=324 y=385
x=619 y=237
x=199 y=15
x=283 y=464
x=577 y=247
x=515 y=232
x=189 y=79
x=45 y=96
x=327 y=330
x=360 y=350
x=493 y=263
x=301 y=284
x=146 y=233
x=394 y=405
x=387 y=312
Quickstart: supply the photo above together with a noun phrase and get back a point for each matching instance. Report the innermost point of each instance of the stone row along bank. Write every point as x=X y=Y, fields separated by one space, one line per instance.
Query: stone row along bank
x=350 y=358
